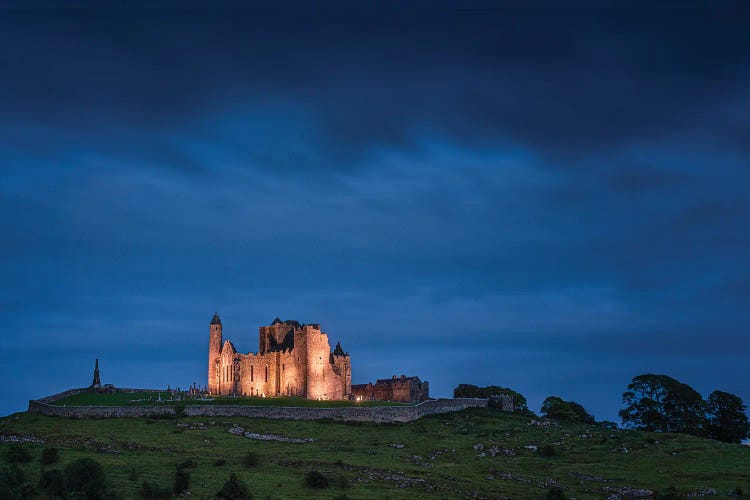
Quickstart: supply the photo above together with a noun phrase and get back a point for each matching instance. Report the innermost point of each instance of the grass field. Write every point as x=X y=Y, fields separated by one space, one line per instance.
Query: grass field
x=150 y=398
x=435 y=456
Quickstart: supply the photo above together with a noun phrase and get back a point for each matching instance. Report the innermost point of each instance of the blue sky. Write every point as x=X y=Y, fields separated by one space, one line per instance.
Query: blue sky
x=551 y=200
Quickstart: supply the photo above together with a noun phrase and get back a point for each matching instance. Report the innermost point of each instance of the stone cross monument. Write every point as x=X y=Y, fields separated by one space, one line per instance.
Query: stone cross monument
x=96 y=383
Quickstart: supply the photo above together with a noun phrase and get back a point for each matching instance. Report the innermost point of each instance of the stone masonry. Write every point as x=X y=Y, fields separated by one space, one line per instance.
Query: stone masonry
x=293 y=359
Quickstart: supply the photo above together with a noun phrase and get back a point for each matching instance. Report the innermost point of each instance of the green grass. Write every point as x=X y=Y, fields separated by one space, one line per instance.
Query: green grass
x=150 y=398
x=437 y=458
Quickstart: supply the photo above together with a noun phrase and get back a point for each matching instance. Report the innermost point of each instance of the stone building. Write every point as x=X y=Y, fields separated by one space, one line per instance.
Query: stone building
x=404 y=389
x=292 y=360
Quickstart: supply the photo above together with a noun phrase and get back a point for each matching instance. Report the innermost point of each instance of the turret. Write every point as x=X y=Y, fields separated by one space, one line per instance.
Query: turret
x=214 y=351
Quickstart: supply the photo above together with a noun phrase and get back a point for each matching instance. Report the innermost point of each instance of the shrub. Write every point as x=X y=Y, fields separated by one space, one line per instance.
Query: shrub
x=343 y=481
x=133 y=474
x=11 y=482
x=220 y=462
x=233 y=489
x=546 y=451
x=152 y=492
x=186 y=464
x=557 y=408
x=181 y=481
x=50 y=456
x=251 y=459
x=17 y=453
x=670 y=493
x=555 y=494
x=52 y=483
x=316 y=479
x=85 y=477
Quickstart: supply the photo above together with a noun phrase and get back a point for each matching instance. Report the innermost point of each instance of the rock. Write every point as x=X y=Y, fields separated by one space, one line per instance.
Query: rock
x=237 y=430
x=586 y=477
x=396 y=445
x=703 y=493
x=478 y=447
x=531 y=447
x=629 y=493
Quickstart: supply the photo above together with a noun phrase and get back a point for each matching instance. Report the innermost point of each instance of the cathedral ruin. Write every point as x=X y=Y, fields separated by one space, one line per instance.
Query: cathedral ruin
x=292 y=360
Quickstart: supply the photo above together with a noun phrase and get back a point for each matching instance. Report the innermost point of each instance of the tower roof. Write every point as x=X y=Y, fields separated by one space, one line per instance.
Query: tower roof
x=338 y=351
x=216 y=320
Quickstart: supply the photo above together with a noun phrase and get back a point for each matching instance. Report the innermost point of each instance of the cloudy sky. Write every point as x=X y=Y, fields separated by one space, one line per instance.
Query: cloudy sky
x=551 y=200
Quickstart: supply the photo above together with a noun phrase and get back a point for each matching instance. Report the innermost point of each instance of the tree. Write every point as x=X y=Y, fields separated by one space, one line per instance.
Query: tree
x=726 y=418
x=234 y=489
x=85 y=478
x=557 y=408
x=661 y=403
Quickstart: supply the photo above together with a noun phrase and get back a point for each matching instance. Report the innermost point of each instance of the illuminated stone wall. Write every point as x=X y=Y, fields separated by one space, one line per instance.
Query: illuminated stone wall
x=293 y=360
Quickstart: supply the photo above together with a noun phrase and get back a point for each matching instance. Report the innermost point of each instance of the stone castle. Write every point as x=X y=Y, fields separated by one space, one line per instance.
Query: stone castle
x=292 y=360
x=403 y=388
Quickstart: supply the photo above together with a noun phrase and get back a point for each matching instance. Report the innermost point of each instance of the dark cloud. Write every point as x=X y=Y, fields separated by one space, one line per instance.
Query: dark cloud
x=536 y=197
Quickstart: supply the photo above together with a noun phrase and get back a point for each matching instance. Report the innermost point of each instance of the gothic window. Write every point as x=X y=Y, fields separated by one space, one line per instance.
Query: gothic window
x=251 y=373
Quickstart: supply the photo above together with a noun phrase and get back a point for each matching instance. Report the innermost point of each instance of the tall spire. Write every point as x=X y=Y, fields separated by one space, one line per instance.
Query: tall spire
x=96 y=382
x=216 y=320
x=338 y=351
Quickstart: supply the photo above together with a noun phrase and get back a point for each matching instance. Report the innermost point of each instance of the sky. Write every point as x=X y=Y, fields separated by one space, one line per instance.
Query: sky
x=549 y=200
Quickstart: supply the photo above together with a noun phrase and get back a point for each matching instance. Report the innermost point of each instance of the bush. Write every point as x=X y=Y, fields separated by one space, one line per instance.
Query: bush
x=133 y=474
x=186 y=464
x=181 y=481
x=50 y=456
x=85 y=477
x=555 y=494
x=233 y=489
x=152 y=492
x=546 y=451
x=251 y=459
x=17 y=453
x=343 y=482
x=557 y=408
x=11 y=482
x=316 y=479
x=670 y=493
x=220 y=462
x=52 y=483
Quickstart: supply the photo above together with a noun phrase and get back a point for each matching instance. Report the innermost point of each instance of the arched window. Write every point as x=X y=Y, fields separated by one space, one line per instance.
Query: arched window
x=251 y=373
x=266 y=374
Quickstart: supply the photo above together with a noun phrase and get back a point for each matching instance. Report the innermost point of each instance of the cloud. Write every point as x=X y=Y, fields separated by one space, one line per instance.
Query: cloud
x=561 y=191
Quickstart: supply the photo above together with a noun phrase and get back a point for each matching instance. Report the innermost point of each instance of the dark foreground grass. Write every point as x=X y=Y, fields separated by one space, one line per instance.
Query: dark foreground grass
x=151 y=398
x=431 y=457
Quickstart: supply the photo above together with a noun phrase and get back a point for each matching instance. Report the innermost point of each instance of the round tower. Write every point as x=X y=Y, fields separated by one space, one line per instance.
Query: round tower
x=214 y=351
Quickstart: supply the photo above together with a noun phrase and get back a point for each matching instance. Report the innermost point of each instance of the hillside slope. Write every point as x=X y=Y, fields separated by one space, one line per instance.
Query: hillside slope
x=479 y=452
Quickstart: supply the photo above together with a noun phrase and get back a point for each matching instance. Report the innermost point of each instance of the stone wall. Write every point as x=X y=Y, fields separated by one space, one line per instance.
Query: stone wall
x=347 y=414
x=99 y=411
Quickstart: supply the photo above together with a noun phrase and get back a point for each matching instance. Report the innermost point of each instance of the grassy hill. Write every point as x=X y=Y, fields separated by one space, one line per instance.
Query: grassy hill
x=430 y=457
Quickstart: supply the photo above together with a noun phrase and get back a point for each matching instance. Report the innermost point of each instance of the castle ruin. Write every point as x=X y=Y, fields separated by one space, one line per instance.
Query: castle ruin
x=292 y=360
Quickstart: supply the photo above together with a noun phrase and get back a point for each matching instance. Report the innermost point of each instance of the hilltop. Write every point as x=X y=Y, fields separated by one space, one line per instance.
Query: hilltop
x=481 y=453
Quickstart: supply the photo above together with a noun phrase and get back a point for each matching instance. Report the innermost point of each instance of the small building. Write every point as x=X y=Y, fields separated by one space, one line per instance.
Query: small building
x=402 y=389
